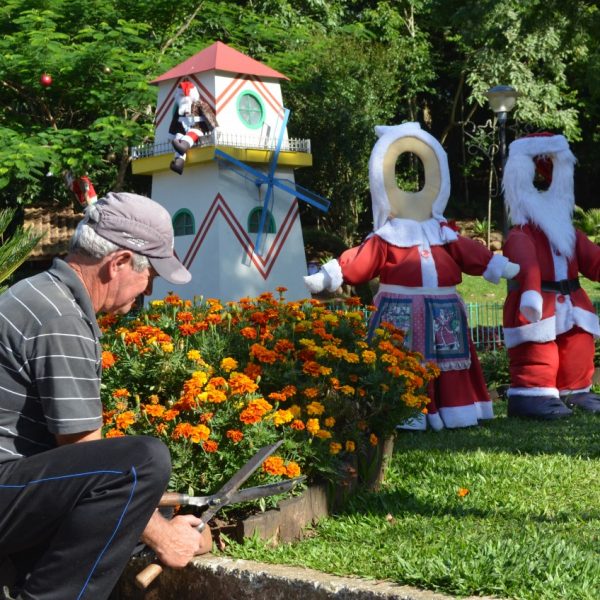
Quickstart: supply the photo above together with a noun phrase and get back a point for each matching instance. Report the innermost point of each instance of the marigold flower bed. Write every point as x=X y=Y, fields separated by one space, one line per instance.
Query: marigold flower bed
x=216 y=383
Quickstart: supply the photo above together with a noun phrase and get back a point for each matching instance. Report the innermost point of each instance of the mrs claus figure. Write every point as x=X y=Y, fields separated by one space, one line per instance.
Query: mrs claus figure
x=549 y=320
x=420 y=259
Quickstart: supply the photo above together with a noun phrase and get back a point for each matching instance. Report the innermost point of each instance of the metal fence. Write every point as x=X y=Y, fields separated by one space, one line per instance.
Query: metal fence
x=485 y=323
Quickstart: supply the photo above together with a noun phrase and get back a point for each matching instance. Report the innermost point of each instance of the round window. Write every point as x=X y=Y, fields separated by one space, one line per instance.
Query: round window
x=251 y=110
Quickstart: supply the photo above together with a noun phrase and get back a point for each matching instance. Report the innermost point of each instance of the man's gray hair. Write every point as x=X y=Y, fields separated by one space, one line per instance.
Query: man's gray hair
x=86 y=241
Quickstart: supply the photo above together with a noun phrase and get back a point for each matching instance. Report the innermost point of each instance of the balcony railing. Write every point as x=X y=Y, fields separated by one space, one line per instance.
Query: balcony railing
x=225 y=138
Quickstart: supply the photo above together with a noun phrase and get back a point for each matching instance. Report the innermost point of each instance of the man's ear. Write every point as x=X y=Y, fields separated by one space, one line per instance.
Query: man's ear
x=118 y=261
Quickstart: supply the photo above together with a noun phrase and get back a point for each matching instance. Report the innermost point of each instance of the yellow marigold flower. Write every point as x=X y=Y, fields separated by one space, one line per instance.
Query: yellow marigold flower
x=329 y=422
x=157 y=303
x=323 y=434
x=347 y=390
x=229 y=364
x=313 y=426
x=335 y=448
x=194 y=355
x=373 y=440
x=167 y=347
x=350 y=446
x=325 y=370
x=351 y=357
x=281 y=417
x=315 y=408
x=369 y=357
x=292 y=469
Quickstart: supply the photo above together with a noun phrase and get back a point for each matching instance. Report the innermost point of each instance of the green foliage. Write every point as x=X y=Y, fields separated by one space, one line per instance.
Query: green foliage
x=15 y=247
x=508 y=510
x=494 y=364
x=588 y=221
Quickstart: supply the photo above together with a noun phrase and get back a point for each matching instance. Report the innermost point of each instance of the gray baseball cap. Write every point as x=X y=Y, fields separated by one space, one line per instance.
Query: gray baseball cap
x=143 y=226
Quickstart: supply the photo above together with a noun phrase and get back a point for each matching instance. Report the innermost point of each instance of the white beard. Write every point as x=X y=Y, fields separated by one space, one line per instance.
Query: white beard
x=551 y=210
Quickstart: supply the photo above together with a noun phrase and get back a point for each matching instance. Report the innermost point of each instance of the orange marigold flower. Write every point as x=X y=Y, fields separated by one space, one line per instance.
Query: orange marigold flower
x=323 y=434
x=210 y=446
x=228 y=364
x=284 y=346
x=241 y=384
x=253 y=370
x=113 y=433
x=295 y=410
x=292 y=469
x=350 y=446
x=161 y=429
x=335 y=448
x=121 y=393
x=329 y=422
x=206 y=417
x=462 y=492
x=362 y=425
x=108 y=359
x=125 y=419
x=170 y=414
x=184 y=316
x=153 y=399
x=249 y=333
x=313 y=426
x=235 y=435
x=274 y=465
x=154 y=410
x=289 y=391
x=173 y=299
x=373 y=440
x=315 y=408
x=311 y=392
x=369 y=356
x=298 y=425
x=311 y=368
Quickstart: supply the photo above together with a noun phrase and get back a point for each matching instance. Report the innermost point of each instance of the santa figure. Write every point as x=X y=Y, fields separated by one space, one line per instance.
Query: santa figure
x=419 y=259
x=192 y=118
x=549 y=320
x=82 y=188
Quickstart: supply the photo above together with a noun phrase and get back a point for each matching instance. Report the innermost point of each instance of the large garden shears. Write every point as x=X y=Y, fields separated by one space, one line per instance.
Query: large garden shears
x=228 y=494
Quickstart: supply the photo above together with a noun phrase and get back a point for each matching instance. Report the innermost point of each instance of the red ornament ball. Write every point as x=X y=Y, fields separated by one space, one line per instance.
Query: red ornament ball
x=46 y=79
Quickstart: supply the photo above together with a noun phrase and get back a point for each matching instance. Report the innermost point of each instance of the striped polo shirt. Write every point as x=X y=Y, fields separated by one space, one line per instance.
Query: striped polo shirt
x=50 y=362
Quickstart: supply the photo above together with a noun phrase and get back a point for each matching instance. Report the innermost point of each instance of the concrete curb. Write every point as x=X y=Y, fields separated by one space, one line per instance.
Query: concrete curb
x=220 y=578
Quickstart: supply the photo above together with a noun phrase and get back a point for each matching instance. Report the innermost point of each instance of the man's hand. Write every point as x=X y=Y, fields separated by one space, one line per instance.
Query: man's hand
x=177 y=541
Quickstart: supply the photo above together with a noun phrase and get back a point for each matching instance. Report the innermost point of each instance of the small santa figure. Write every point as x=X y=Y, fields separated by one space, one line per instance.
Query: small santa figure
x=192 y=118
x=549 y=320
x=419 y=259
x=82 y=188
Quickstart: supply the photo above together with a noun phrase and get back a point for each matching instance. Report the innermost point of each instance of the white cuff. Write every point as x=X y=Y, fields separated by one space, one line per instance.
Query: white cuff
x=334 y=270
x=531 y=305
x=495 y=268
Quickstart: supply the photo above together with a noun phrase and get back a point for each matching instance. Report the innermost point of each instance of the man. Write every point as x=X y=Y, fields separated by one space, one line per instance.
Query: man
x=73 y=505
x=549 y=321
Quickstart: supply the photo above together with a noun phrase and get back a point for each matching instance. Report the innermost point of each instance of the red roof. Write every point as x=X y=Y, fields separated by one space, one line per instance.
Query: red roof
x=219 y=57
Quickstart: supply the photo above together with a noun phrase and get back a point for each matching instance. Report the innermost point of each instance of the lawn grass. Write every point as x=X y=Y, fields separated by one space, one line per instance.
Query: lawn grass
x=528 y=528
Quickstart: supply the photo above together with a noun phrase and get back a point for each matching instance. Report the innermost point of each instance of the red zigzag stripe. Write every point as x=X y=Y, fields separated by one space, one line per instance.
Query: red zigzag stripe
x=265 y=264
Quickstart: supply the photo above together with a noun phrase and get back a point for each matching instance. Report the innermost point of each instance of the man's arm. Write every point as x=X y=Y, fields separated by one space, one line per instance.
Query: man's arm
x=73 y=438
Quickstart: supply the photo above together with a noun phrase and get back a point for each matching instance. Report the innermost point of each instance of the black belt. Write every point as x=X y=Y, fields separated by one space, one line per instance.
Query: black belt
x=564 y=286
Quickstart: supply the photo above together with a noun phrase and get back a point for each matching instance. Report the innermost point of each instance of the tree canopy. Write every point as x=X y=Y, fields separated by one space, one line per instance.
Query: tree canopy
x=352 y=64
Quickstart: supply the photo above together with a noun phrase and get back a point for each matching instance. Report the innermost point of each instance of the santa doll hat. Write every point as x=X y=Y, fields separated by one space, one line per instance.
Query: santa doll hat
x=387 y=136
x=551 y=210
x=525 y=156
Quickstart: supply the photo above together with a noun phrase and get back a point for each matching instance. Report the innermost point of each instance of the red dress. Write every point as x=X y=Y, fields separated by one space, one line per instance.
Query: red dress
x=417 y=294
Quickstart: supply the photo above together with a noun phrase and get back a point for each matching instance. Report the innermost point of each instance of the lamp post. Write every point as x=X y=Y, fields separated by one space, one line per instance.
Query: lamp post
x=502 y=99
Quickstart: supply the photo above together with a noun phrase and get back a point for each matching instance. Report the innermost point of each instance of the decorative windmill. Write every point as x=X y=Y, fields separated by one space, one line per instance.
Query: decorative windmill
x=235 y=242
x=259 y=178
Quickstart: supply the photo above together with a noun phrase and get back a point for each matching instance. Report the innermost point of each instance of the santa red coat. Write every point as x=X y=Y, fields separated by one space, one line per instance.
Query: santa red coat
x=421 y=273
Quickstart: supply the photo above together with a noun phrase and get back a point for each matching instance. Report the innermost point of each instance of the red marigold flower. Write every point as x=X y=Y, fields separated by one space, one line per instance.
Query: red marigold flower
x=210 y=446
x=298 y=425
x=235 y=435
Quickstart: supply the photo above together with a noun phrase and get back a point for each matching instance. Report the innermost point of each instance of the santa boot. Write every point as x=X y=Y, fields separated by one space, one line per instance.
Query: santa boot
x=184 y=143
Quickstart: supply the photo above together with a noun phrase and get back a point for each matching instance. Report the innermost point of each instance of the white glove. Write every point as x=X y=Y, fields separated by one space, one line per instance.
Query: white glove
x=510 y=270
x=318 y=282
